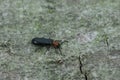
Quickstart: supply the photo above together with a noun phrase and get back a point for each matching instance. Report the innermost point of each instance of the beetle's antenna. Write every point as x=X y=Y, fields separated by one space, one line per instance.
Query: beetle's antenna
x=62 y=41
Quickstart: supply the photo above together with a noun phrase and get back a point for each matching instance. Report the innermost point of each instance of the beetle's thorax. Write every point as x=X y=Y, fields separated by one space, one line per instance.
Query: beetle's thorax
x=56 y=44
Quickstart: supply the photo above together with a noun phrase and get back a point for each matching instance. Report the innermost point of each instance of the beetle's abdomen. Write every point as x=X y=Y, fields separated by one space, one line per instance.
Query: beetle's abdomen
x=42 y=41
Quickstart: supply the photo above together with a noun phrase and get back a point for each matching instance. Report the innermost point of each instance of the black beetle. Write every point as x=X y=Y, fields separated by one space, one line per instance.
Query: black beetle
x=47 y=42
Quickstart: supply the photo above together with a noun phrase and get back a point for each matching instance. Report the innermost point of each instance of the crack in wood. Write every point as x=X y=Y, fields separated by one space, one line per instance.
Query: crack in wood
x=81 y=69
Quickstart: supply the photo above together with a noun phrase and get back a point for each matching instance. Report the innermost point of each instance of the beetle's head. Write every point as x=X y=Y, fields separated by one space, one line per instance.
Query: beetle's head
x=56 y=44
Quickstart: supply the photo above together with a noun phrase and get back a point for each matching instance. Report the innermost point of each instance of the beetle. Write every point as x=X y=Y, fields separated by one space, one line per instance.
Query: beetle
x=47 y=42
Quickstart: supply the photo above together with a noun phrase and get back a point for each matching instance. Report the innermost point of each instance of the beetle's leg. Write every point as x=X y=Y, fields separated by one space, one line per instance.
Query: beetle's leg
x=60 y=50
x=63 y=41
x=37 y=49
x=47 y=49
x=56 y=50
